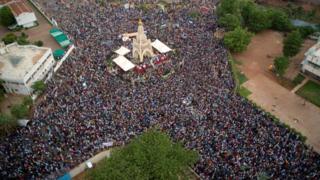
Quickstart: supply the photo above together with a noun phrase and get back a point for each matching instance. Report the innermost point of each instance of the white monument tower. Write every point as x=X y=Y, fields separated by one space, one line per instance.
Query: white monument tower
x=141 y=45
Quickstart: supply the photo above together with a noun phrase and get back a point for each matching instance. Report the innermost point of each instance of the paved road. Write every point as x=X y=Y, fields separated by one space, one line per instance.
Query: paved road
x=288 y=107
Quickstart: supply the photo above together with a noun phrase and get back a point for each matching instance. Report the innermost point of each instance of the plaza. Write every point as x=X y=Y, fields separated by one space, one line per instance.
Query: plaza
x=87 y=105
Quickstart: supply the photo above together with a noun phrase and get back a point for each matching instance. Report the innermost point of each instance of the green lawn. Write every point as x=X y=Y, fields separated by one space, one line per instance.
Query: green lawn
x=244 y=92
x=311 y=92
x=239 y=77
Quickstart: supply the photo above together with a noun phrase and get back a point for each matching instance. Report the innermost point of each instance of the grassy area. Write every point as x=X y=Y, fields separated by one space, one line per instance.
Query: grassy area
x=244 y=92
x=239 y=78
x=242 y=78
x=311 y=92
x=298 y=79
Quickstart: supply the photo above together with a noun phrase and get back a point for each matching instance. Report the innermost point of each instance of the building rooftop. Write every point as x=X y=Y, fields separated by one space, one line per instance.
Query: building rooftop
x=17 y=6
x=4 y=2
x=18 y=61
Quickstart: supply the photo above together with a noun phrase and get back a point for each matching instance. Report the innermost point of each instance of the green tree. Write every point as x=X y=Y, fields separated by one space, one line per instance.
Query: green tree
x=306 y=31
x=280 y=20
x=149 y=156
x=38 y=86
x=246 y=7
x=256 y=18
x=9 y=38
x=281 y=64
x=292 y=44
x=22 y=40
x=228 y=7
x=237 y=40
x=229 y=21
x=20 y=111
x=6 y=16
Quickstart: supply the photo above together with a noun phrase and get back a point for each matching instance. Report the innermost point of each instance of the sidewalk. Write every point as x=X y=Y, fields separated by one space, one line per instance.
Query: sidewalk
x=295 y=89
x=94 y=160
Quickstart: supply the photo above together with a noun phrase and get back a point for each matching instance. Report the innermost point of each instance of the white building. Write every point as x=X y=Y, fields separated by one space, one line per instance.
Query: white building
x=22 y=12
x=311 y=63
x=21 y=66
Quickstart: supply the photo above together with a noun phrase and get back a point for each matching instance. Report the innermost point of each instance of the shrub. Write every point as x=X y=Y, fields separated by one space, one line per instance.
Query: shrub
x=238 y=39
x=280 y=20
x=228 y=7
x=9 y=38
x=306 y=31
x=230 y=22
x=22 y=40
x=292 y=44
x=7 y=123
x=38 y=86
x=20 y=111
x=27 y=101
x=38 y=43
x=281 y=64
x=6 y=17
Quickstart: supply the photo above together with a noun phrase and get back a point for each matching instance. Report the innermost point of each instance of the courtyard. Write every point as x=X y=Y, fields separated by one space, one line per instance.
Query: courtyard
x=275 y=96
x=37 y=33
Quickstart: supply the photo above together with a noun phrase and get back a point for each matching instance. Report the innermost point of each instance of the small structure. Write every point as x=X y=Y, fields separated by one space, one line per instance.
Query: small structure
x=60 y=37
x=124 y=63
x=301 y=23
x=122 y=51
x=22 y=12
x=141 y=45
x=21 y=66
x=160 y=46
x=311 y=63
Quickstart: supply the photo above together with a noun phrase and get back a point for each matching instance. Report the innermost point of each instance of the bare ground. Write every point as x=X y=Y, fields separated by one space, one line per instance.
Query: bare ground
x=269 y=94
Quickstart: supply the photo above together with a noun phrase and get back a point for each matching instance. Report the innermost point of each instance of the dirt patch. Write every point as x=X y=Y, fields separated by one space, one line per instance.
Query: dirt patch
x=267 y=91
x=9 y=101
x=258 y=57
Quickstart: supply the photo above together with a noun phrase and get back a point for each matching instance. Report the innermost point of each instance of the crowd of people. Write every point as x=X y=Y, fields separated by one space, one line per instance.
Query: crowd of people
x=85 y=106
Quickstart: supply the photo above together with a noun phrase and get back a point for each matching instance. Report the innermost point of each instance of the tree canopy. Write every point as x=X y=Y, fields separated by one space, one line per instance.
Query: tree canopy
x=292 y=44
x=6 y=16
x=237 y=40
x=9 y=38
x=280 y=20
x=255 y=18
x=281 y=64
x=149 y=156
x=228 y=7
x=229 y=21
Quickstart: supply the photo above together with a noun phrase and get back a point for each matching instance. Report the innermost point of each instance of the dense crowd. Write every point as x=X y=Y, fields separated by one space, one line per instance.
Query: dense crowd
x=84 y=106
